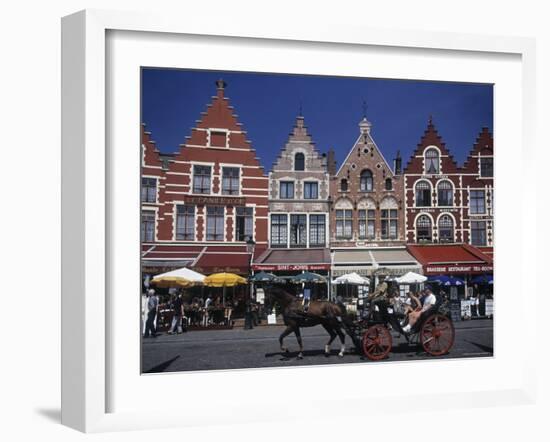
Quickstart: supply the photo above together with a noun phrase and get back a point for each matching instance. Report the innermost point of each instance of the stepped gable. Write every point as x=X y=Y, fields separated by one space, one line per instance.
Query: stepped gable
x=431 y=137
x=219 y=128
x=482 y=147
x=299 y=140
x=150 y=153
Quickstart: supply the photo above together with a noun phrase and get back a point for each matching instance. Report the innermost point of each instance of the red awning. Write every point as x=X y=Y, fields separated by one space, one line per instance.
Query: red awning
x=201 y=258
x=293 y=259
x=438 y=259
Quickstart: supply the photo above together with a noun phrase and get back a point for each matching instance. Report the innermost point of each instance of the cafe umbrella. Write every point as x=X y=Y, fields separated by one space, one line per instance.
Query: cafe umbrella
x=411 y=278
x=182 y=277
x=350 y=279
x=483 y=279
x=264 y=277
x=224 y=280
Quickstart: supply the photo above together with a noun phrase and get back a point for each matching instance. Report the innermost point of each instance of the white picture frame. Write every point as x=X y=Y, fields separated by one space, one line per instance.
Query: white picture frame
x=87 y=353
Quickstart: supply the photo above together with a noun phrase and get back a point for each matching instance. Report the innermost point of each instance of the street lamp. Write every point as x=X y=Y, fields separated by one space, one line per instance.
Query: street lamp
x=250 y=246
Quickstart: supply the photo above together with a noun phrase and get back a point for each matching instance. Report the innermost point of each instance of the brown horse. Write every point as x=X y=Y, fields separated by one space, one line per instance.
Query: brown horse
x=328 y=314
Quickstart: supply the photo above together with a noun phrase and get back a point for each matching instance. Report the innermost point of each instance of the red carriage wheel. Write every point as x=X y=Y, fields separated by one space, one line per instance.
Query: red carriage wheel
x=437 y=335
x=377 y=342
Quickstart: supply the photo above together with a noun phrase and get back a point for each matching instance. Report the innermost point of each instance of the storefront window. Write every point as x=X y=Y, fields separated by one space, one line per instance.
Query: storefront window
x=185 y=223
x=244 y=223
x=279 y=232
x=317 y=230
x=343 y=224
x=201 y=179
x=214 y=223
x=389 y=223
x=147 y=226
x=298 y=231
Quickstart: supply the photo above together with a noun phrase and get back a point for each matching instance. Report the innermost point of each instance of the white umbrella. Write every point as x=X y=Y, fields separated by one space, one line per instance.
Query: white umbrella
x=351 y=278
x=411 y=278
x=183 y=277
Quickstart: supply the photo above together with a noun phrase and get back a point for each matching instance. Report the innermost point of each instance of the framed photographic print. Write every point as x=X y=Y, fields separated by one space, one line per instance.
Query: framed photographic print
x=261 y=210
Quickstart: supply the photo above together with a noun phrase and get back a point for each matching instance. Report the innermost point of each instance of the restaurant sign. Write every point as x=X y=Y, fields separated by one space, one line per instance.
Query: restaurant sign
x=290 y=267
x=214 y=200
x=456 y=269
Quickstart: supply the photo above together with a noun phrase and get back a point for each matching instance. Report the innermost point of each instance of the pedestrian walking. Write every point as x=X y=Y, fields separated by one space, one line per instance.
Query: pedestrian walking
x=177 y=308
x=152 y=308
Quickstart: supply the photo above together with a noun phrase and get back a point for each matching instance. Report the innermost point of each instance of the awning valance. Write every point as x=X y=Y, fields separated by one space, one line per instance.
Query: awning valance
x=439 y=259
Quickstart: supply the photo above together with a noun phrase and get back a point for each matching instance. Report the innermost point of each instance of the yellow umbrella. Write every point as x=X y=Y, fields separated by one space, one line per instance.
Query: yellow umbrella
x=224 y=280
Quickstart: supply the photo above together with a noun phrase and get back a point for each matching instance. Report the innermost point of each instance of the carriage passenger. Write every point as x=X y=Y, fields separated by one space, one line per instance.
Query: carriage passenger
x=428 y=300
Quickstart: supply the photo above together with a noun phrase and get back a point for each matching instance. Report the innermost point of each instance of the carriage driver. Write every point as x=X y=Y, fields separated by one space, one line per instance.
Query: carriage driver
x=380 y=293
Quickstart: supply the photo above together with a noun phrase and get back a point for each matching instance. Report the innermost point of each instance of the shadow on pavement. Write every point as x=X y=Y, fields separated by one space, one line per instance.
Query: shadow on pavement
x=162 y=367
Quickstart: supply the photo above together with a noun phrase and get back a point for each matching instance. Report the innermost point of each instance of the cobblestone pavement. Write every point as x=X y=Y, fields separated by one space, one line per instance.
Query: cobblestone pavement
x=259 y=347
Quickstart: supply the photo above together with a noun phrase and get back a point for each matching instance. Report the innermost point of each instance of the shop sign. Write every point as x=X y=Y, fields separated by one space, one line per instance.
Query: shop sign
x=291 y=267
x=214 y=200
x=445 y=269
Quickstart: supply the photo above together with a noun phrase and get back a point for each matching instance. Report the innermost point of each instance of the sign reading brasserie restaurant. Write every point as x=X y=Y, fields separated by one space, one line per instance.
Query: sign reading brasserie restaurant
x=450 y=269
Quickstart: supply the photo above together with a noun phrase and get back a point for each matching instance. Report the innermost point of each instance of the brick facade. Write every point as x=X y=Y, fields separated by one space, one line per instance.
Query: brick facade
x=299 y=193
x=214 y=184
x=441 y=198
x=367 y=197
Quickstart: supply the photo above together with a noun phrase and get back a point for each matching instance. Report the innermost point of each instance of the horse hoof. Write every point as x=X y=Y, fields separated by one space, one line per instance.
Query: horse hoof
x=340 y=355
x=327 y=355
x=300 y=357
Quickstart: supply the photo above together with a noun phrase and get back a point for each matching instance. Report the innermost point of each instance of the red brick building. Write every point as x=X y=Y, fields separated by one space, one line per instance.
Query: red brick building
x=477 y=193
x=446 y=203
x=211 y=198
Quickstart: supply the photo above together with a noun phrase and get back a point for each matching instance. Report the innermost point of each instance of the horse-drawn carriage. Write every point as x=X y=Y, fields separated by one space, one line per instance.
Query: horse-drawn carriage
x=434 y=330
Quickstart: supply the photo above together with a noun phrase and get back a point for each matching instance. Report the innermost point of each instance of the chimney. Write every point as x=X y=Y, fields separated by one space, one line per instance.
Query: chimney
x=397 y=163
x=331 y=162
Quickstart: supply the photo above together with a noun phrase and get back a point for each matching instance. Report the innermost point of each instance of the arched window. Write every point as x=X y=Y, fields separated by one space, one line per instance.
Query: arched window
x=423 y=228
x=389 y=184
x=446 y=228
x=423 y=195
x=344 y=185
x=445 y=194
x=431 y=161
x=366 y=184
x=299 y=161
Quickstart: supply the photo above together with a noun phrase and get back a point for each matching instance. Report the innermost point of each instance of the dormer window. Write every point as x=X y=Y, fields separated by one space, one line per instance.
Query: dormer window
x=431 y=162
x=299 y=161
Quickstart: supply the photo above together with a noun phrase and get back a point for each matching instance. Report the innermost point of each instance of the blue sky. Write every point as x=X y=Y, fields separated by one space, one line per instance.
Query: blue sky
x=267 y=105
